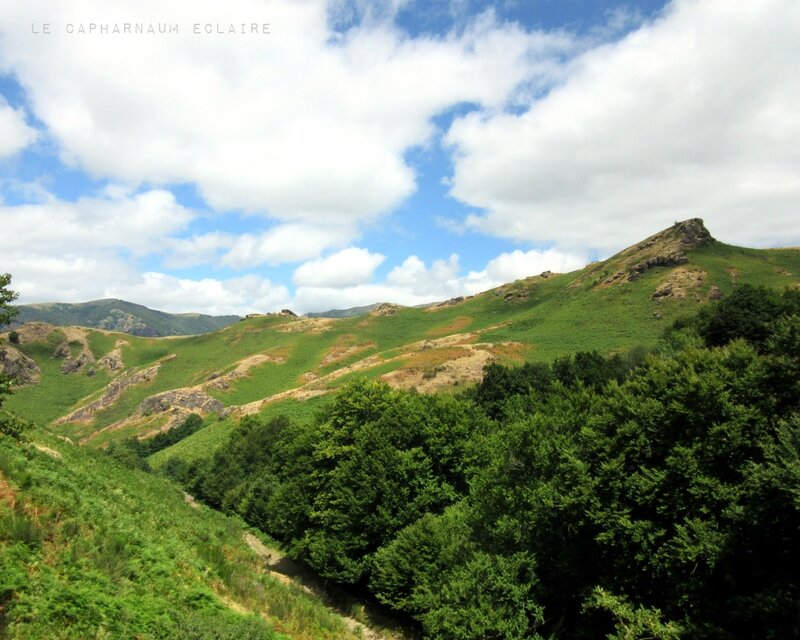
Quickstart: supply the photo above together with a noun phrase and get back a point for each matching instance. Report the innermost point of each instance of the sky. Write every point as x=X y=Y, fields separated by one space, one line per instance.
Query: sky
x=254 y=155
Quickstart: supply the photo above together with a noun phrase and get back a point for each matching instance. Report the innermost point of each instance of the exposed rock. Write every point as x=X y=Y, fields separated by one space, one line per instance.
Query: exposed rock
x=546 y=274
x=511 y=296
x=386 y=309
x=19 y=366
x=191 y=399
x=287 y=313
x=715 y=293
x=657 y=315
x=112 y=361
x=71 y=366
x=678 y=284
x=111 y=394
x=35 y=331
x=448 y=303
x=62 y=351
x=222 y=381
x=119 y=320
x=667 y=248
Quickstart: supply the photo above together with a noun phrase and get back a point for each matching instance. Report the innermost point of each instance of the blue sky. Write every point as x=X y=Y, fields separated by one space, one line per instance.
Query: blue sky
x=394 y=150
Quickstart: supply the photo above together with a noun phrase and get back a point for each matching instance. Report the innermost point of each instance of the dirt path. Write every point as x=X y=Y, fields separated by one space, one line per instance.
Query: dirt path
x=287 y=571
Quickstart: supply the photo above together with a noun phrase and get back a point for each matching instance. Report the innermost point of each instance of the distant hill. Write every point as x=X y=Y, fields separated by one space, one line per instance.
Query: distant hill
x=118 y=315
x=101 y=387
x=352 y=312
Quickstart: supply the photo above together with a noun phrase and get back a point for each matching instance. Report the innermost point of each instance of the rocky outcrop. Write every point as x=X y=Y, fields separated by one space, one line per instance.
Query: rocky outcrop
x=679 y=285
x=385 y=309
x=667 y=248
x=76 y=364
x=62 y=351
x=112 y=361
x=111 y=394
x=189 y=399
x=18 y=366
x=119 y=320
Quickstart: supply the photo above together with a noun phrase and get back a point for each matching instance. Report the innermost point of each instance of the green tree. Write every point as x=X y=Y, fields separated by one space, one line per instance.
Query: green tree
x=7 y=296
x=8 y=425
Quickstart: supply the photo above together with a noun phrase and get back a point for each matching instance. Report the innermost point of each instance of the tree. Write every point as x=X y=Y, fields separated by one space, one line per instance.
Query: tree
x=7 y=312
x=7 y=425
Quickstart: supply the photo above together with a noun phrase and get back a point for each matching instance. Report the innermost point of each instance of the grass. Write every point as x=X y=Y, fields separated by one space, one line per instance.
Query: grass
x=204 y=442
x=549 y=316
x=92 y=549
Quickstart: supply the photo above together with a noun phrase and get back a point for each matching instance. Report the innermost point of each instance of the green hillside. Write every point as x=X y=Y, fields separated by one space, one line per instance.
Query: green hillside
x=90 y=549
x=119 y=315
x=96 y=387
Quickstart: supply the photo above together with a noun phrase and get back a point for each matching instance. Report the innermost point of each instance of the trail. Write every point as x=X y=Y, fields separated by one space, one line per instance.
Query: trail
x=287 y=571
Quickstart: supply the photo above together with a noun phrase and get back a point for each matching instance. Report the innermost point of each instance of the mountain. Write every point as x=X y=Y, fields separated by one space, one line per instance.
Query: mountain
x=92 y=548
x=352 y=312
x=119 y=315
x=97 y=387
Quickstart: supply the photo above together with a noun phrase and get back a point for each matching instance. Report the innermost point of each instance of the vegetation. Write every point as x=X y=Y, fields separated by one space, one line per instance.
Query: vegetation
x=90 y=548
x=119 y=315
x=9 y=425
x=608 y=307
x=628 y=465
x=637 y=496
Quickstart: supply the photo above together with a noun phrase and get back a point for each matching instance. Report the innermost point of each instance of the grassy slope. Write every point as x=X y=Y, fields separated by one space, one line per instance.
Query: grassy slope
x=556 y=318
x=91 y=549
x=548 y=316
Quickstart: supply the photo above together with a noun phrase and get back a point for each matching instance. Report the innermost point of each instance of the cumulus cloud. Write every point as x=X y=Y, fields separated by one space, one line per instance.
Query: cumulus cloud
x=101 y=274
x=348 y=267
x=15 y=134
x=413 y=282
x=694 y=114
x=59 y=251
x=284 y=243
x=521 y=264
x=306 y=124
x=136 y=223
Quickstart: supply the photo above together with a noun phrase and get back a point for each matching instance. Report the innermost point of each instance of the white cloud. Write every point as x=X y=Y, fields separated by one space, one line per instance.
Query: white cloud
x=413 y=282
x=410 y=283
x=15 y=134
x=305 y=125
x=695 y=114
x=78 y=278
x=136 y=223
x=234 y=296
x=284 y=243
x=348 y=267
x=521 y=264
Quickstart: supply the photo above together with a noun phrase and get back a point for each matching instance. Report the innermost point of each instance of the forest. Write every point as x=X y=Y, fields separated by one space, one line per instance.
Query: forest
x=642 y=495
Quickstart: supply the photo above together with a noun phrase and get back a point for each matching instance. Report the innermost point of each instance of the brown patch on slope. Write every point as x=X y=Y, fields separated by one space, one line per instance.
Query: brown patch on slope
x=345 y=347
x=679 y=284
x=222 y=381
x=457 y=325
x=7 y=494
x=36 y=331
x=310 y=325
x=510 y=351
x=455 y=366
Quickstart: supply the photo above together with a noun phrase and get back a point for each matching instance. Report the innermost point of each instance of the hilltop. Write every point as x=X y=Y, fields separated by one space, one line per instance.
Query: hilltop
x=118 y=315
x=96 y=386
